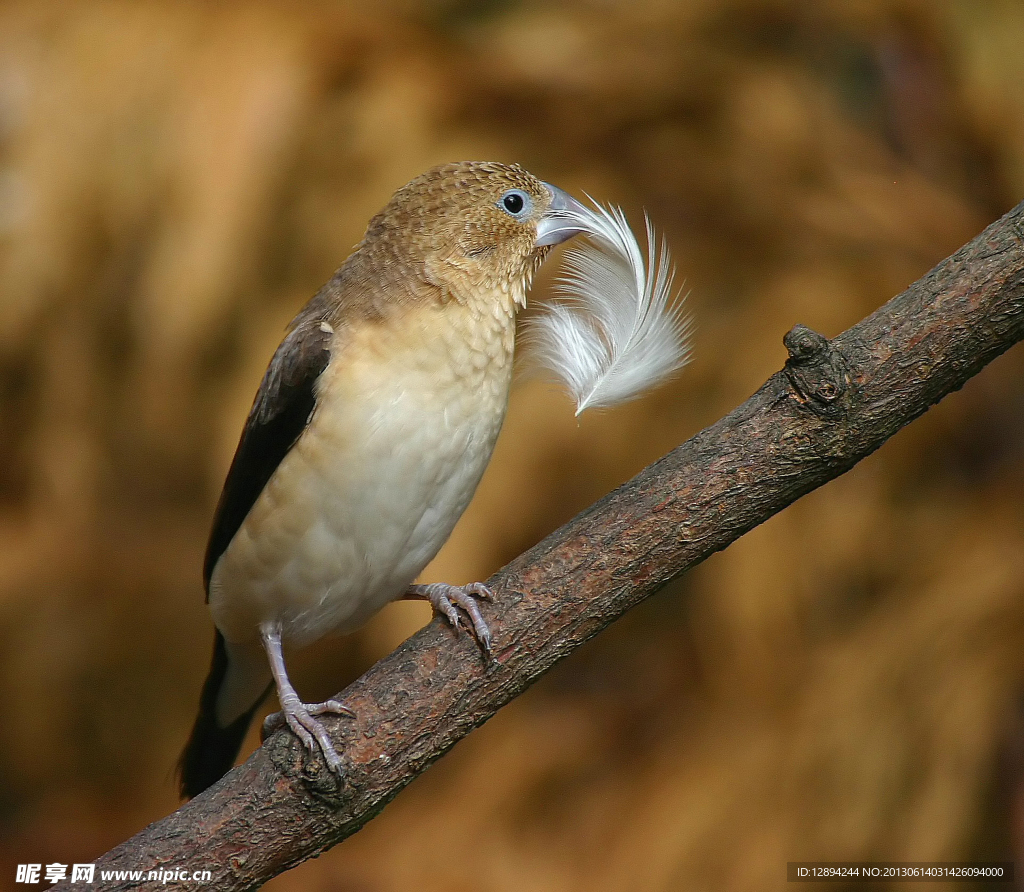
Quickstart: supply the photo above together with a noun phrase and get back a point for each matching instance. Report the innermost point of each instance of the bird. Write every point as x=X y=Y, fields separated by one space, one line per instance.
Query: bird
x=368 y=435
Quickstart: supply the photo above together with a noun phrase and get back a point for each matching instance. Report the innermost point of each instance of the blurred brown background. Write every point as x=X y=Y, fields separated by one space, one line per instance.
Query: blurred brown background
x=177 y=178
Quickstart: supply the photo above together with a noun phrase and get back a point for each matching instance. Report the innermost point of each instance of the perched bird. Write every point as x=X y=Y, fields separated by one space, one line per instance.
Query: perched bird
x=367 y=438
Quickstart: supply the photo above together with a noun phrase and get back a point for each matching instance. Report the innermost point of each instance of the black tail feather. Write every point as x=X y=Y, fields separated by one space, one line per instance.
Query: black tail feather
x=211 y=750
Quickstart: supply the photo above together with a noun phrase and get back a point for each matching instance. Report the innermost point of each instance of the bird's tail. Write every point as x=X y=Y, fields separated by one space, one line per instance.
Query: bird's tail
x=212 y=747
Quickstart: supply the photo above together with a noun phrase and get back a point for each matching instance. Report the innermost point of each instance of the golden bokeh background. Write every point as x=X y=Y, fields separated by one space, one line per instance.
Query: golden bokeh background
x=177 y=178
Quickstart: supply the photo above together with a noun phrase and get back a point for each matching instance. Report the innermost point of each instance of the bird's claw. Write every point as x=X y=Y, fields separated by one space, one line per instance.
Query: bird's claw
x=445 y=598
x=300 y=717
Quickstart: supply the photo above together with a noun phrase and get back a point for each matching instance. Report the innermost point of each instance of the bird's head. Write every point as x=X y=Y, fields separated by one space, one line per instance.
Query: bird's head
x=473 y=227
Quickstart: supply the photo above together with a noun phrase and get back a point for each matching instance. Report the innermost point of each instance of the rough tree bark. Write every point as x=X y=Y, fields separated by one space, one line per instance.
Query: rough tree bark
x=834 y=403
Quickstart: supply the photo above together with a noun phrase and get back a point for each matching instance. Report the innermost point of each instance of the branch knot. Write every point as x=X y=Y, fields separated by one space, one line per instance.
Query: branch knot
x=817 y=371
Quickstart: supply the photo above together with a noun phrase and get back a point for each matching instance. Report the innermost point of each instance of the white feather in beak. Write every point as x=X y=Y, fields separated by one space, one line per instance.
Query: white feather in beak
x=615 y=334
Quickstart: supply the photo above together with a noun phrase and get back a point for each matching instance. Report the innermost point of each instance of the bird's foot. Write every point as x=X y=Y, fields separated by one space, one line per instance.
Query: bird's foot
x=300 y=717
x=444 y=598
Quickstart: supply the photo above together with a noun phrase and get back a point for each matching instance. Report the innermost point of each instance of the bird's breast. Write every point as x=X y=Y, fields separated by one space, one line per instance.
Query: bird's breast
x=407 y=414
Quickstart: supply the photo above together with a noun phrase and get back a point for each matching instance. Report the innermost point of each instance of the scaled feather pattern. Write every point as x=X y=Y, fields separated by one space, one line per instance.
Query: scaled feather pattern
x=614 y=334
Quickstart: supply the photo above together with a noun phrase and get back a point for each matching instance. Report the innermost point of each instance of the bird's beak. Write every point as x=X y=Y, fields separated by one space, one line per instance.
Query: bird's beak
x=562 y=220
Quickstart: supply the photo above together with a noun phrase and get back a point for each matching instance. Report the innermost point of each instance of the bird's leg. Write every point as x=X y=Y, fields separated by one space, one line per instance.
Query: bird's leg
x=444 y=598
x=299 y=715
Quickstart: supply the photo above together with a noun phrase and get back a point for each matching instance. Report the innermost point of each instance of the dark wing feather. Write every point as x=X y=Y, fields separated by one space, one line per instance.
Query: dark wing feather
x=279 y=414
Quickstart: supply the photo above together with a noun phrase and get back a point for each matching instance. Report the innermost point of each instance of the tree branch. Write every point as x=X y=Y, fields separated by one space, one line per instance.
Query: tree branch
x=834 y=403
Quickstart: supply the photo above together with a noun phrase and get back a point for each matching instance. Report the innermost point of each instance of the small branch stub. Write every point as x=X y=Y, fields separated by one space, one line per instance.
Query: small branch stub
x=817 y=371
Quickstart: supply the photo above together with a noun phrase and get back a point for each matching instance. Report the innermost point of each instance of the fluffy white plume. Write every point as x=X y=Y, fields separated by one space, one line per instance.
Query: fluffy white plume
x=615 y=334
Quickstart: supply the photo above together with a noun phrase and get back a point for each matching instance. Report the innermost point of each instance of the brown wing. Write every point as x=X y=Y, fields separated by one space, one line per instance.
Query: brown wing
x=282 y=409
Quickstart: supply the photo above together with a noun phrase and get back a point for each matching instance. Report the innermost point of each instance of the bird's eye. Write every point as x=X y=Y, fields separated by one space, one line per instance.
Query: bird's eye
x=516 y=203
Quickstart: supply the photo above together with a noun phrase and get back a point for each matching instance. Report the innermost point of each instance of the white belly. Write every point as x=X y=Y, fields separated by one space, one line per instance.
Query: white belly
x=405 y=425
